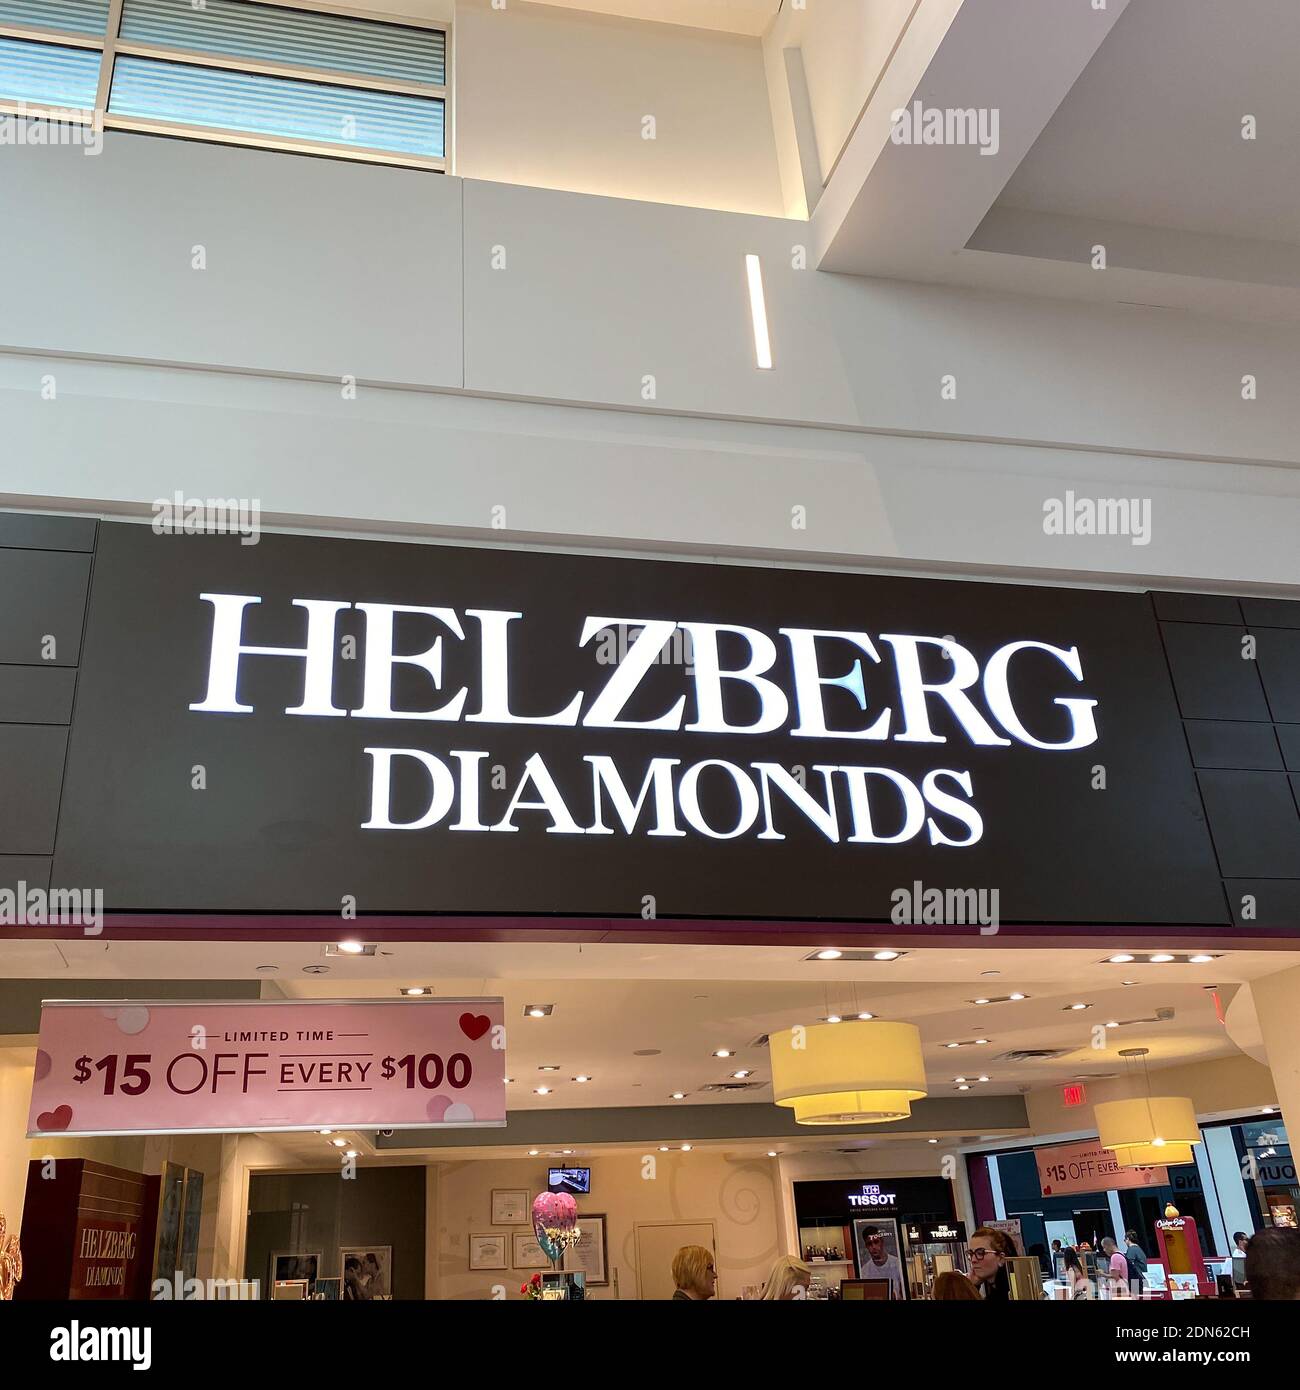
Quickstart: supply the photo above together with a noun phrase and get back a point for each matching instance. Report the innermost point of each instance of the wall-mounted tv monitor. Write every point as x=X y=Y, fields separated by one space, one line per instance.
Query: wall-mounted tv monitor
x=575 y=1181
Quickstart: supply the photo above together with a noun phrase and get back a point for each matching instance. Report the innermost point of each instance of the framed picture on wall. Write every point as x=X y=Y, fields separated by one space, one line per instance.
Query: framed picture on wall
x=487 y=1251
x=527 y=1253
x=291 y=1264
x=509 y=1206
x=367 y=1273
x=590 y=1255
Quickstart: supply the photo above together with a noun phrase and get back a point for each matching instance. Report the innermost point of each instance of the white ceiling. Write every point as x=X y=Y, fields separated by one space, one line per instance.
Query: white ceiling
x=1151 y=131
x=685 y=1002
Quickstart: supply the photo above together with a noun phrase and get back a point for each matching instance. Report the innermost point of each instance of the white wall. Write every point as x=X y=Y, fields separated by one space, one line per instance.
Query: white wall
x=845 y=46
x=556 y=98
x=305 y=281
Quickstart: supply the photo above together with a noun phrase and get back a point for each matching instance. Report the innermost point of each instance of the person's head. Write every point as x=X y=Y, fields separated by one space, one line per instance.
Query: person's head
x=1273 y=1263
x=1108 y=1245
x=789 y=1279
x=372 y=1264
x=988 y=1251
x=1056 y=1245
x=1071 y=1260
x=352 y=1265
x=1239 y=1239
x=952 y=1287
x=693 y=1271
x=873 y=1242
x=1130 y=1237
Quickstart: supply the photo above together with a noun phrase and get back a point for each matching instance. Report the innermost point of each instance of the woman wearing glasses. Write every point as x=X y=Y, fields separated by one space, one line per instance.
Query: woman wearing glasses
x=988 y=1253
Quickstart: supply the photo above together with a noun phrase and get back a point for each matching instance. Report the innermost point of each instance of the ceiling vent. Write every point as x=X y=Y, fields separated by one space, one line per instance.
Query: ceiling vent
x=733 y=1086
x=1034 y=1054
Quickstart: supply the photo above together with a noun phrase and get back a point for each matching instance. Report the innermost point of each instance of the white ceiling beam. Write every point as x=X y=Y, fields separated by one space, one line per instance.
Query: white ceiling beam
x=902 y=210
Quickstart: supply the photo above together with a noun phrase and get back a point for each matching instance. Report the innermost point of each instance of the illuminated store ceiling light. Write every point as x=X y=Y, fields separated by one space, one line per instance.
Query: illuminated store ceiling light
x=832 y=1018
x=538 y=1010
x=354 y=948
x=1146 y=1130
x=541 y=1091
x=724 y=1052
x=856 y=1073
x=865 y=1017
x=678 y=1095
x=339 y=1143
x=1164 y=958
x=740 y=1075
x=758 y=313
x=686 y=1148
x=830 y=953
x=999 y=999
x=1068 y=1008
x=532 y=1153
x=415 y=991
x=581 y=1079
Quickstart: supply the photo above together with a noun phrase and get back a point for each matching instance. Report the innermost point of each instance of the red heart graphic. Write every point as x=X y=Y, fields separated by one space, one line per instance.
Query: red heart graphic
x=55 y=1119
x=474 y=1025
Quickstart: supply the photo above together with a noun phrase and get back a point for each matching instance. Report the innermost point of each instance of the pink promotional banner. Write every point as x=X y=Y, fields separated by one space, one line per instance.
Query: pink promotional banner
x=113 y=1067
x=1087 y=1167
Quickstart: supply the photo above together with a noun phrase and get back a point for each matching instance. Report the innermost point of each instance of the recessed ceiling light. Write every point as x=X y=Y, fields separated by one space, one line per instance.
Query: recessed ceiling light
x=829 y=954
x=740 y=1075
x=963 y=1088
x=351 y=948
x=566 y=1152
x=834 y=1018
x=541 y=1091
x=865 y=1017
x=771 y=1153
x=1119 y=960
x=1270 y=1110
x=1160 y=958
x=538 y=1010
x=686 y=1148
x=1113 y=1023
x=979 y=1001
x=952 y=1044
x=990 y=972
x=980 y=1042
x=581 y=1079
x=981 y=1078
x=548 y=1067
x=532 y=1153
x=1016 y=996
x=351 y=1153
x=959 y=1078
x=1199 y=959
x=414 y=991
x=268 y=969
x=678 y=1095
x=339 y=1143
x=663 y=1148
x=1128 y=982
x=886 y=955
x=931 y=1141
x=724 y=1052
x=509 y=1080
x=324 y=1131
x=1068 y=1007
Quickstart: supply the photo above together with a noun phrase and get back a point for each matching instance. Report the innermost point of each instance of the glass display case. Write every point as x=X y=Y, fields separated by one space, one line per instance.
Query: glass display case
x=930 y=1250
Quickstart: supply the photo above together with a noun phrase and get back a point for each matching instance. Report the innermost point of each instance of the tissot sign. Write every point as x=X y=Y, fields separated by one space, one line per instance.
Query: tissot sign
x=458 y=730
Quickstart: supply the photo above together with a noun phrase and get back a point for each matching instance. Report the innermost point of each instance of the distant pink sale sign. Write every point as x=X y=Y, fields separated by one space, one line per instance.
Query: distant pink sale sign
x=109 y=1067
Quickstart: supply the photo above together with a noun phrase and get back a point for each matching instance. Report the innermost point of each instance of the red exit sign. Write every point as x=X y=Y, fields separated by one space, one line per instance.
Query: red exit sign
x=1073 y=1095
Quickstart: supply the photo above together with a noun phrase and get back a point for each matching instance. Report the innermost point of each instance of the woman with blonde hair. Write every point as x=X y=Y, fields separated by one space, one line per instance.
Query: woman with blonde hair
x=788 y=1280
x=694 y=1274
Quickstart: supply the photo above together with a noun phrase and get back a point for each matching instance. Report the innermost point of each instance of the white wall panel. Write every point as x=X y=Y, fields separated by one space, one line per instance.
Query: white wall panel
x=425 y=464
x=313 y=265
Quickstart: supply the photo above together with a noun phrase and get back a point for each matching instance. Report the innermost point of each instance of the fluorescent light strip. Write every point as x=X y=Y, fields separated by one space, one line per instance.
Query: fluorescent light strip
x=758 y=311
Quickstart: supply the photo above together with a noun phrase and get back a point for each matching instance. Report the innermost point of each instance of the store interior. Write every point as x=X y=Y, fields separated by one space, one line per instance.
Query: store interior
x=639 y=1079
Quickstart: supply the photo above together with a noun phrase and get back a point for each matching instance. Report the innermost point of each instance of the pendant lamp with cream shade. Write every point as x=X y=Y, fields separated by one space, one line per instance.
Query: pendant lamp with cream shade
x=851 y=1073
x=1147 y=1131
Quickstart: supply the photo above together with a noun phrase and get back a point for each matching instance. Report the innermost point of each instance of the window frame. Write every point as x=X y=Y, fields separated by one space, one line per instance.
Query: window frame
x=110 y=44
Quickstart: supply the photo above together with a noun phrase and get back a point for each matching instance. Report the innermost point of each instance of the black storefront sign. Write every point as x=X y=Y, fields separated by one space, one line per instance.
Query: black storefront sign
x=308 y=723
x=924 y=1202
